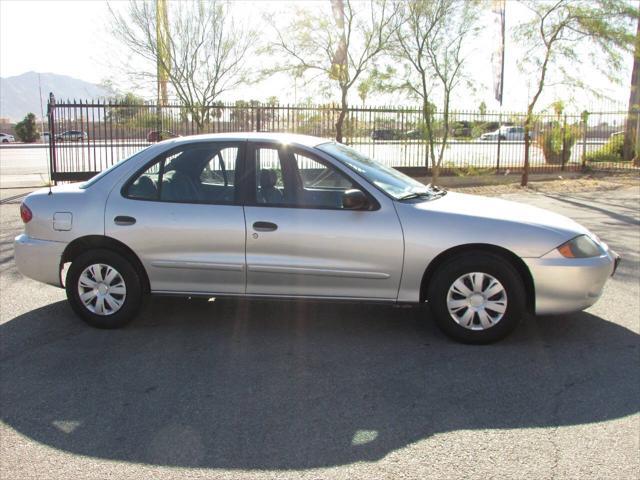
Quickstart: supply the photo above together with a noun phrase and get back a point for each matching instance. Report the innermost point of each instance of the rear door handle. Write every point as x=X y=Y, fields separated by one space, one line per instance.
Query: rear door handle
x=124 y=220
x=264 y=226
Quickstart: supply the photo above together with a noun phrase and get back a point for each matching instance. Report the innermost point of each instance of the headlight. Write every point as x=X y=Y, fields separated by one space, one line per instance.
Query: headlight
x=580 y=247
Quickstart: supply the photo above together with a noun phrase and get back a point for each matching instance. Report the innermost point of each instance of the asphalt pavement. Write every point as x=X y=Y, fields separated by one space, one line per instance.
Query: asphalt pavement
x=256 y=389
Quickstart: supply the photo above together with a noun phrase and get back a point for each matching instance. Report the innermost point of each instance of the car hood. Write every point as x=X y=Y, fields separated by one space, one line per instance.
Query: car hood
x=503 y=211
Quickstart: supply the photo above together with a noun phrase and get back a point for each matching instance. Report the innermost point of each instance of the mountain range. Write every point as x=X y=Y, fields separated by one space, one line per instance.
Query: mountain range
x=20 y=95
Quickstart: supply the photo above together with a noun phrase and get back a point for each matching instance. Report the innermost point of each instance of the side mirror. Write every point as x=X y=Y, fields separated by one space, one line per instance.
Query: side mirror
x=355 y=200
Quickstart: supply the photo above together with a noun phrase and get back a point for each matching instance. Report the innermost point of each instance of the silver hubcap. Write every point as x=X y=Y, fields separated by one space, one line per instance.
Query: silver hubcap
x=476 y=301
x=102 y=289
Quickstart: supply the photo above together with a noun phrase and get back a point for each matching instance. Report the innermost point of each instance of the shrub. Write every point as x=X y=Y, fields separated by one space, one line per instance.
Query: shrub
x=466 y=170
x=556 y=140
x=611 y=151
x=26 y=130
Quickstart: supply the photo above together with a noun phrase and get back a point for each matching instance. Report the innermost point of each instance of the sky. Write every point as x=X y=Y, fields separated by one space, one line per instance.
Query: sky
x=73 y=38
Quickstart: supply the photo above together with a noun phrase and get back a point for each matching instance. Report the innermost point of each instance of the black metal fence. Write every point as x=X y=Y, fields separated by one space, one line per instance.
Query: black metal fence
x=87 y=137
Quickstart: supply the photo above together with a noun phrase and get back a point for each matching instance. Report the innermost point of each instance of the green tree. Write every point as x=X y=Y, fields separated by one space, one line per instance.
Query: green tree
x=125 y=108
x=430 y=41
x=482 y=108
x=27 y=130
x=558 y=108
x=365 y=87
x=336 y=46
x=561 y=36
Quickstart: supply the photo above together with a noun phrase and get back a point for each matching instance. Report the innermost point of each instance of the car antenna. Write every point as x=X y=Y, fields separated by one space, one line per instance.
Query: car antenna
x=50 y=106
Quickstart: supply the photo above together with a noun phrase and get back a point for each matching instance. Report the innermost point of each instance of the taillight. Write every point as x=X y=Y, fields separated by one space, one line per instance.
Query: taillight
x=25 y=213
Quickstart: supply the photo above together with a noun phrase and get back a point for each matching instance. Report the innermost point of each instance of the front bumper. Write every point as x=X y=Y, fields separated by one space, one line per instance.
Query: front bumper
x=565 y=285
x=39 y=259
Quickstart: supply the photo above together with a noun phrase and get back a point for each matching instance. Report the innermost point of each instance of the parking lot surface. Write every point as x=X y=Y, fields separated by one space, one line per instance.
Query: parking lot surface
x=248 y=389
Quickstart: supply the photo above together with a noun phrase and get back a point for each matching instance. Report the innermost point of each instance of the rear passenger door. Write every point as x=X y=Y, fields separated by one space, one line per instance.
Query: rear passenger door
x=181 y=214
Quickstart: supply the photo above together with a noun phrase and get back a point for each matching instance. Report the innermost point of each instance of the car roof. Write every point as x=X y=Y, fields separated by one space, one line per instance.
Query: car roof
x=305 y=140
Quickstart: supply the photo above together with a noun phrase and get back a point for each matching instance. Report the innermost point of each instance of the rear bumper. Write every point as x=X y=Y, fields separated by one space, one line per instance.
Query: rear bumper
x=39 y=259
x=565 y=285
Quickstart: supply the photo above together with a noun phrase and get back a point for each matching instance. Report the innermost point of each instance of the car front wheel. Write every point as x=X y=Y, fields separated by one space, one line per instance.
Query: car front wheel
x=477 y=298
x=104 y=289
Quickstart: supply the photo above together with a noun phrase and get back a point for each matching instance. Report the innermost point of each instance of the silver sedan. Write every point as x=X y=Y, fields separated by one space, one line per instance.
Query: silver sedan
x=297 y=217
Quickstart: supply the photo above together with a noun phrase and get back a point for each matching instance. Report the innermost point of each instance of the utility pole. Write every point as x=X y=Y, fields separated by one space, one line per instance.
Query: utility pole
x=498 y=9
x=162 y=56
x=41 y=107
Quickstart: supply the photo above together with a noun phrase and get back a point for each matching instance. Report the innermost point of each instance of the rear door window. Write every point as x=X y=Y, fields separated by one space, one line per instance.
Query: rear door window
x=196 y=173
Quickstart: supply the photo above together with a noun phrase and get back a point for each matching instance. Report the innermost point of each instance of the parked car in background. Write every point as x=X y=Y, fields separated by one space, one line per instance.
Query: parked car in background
x=7 y=138
x=506 y=132
x=415 y=134
x=71 y=136
x=46 y=137
x=159 y=135
x=385 y=134
x=273 y=215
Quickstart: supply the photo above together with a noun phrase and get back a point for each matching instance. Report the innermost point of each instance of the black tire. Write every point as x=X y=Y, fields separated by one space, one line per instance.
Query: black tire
x=134 y=291
x=487 y=263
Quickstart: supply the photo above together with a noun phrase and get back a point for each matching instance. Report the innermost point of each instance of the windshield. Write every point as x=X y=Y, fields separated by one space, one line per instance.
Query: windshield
x=388 y=179
x=104 y=173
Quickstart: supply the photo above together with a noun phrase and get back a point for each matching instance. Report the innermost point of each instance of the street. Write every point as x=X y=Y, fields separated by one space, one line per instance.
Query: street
x=25 y=165
x=258 y=389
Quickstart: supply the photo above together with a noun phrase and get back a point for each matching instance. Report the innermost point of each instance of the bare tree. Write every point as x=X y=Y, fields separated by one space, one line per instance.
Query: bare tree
x=203 y=54
x=558 y=32
x=336 y=47
x=431 y=40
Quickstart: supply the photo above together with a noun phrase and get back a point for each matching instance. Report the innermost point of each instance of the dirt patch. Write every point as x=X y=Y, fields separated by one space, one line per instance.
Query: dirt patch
x=559 y=185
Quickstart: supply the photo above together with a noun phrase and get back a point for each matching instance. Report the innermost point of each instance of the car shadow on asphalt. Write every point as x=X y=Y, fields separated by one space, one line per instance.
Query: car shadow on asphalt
x=292 y=385
x=600 y=207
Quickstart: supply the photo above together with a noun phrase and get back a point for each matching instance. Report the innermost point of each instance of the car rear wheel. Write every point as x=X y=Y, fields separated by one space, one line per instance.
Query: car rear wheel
x=477 y=298
x=104 y=289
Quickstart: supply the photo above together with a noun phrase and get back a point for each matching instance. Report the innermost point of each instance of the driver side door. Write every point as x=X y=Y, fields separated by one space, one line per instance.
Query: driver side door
x=301 y=242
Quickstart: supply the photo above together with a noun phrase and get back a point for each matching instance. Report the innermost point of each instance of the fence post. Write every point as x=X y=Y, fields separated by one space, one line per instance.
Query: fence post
x=499 y=140
x=51 y=105
x=585 y=117
x=258 y=110
x=564 y=142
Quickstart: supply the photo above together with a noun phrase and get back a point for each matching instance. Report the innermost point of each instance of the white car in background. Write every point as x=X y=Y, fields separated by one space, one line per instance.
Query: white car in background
x=506 y=133
x=7 y=138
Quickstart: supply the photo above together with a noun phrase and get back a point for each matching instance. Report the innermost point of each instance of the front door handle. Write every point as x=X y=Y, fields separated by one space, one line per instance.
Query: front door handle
x=124 y=220
x=264 y=226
